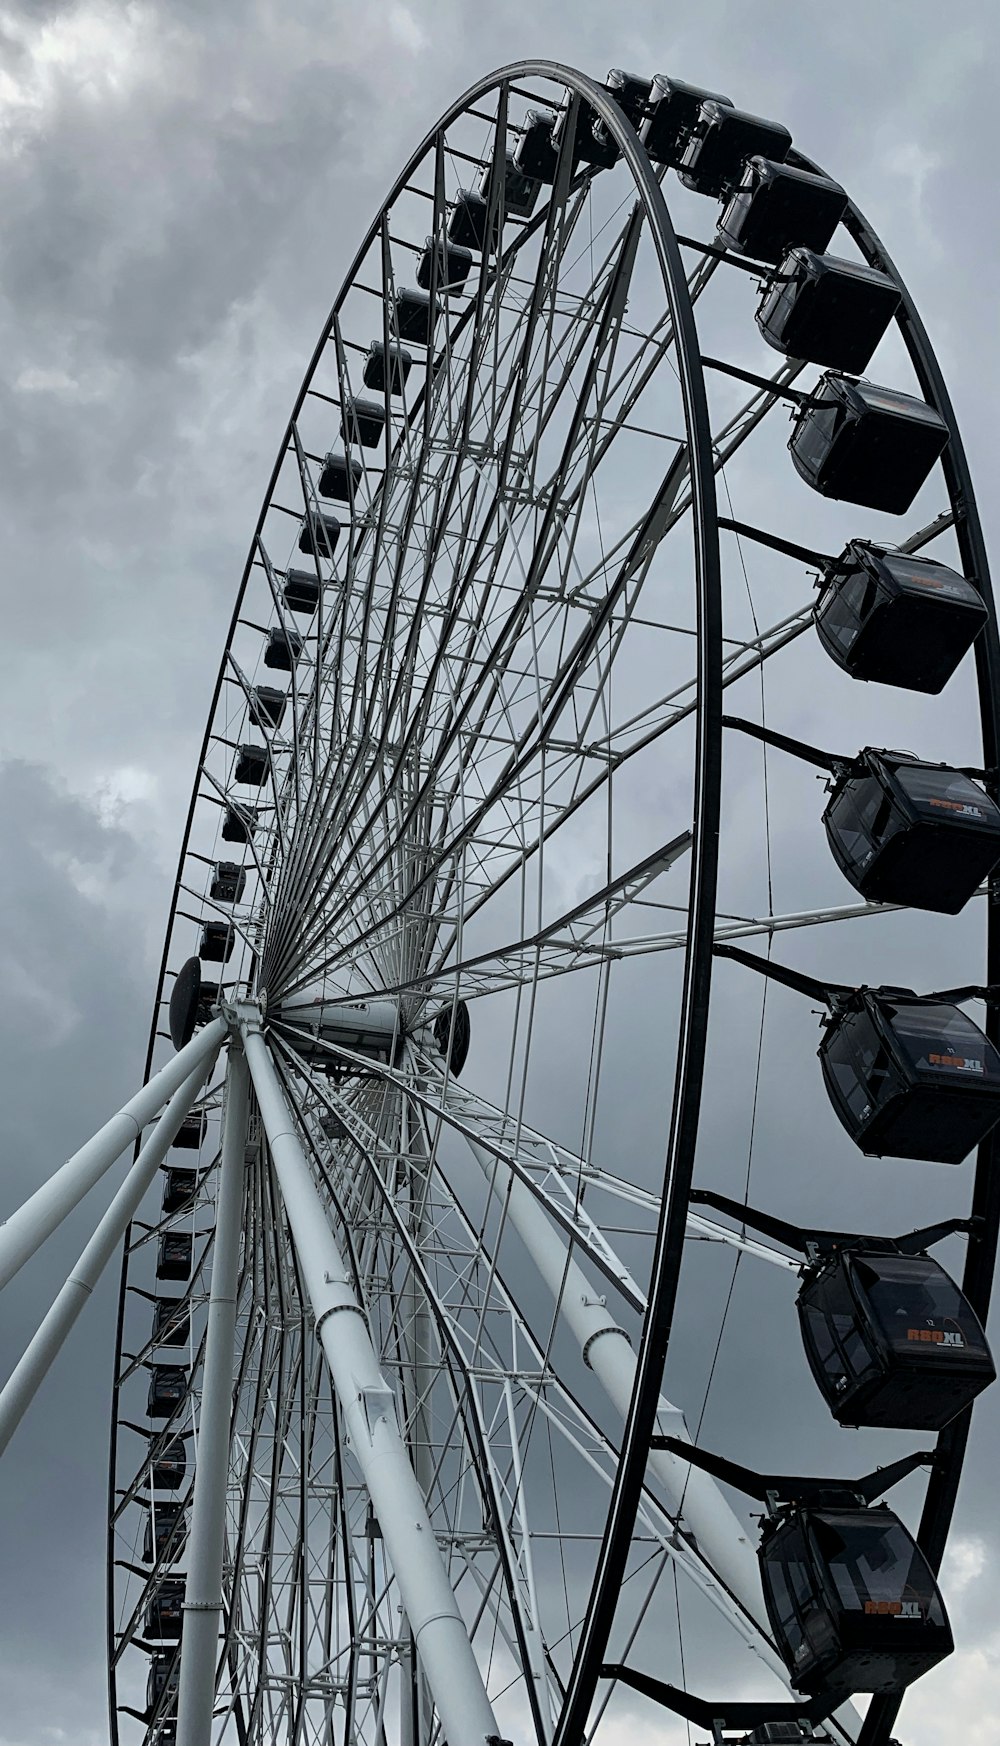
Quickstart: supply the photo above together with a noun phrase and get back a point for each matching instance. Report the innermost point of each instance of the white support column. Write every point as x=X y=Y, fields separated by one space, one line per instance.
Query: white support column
x=368 y=1406
x=22 y=1385
x=28 y=1227
x=206 y=1543
x=606 y=1349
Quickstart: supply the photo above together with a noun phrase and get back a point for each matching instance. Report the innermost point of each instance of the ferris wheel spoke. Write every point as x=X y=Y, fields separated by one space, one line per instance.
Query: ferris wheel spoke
x=518 y=400
x=530 y=739
x=522 y=350
x=643 y=545
x=414 y=503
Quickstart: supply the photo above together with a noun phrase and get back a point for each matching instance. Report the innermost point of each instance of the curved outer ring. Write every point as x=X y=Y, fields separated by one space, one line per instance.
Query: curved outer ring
x=980 y=1265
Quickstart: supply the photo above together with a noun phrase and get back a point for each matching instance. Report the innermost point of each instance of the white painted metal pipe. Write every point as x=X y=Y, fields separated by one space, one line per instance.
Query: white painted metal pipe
x=605 y=1347
x=206 y=1542
x=717 y=1530
x=28 y=1227
x=22 y=1385
x=369 y=1410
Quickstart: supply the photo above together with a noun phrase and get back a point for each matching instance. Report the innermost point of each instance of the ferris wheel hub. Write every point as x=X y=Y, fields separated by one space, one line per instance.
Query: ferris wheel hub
x=320 y=1026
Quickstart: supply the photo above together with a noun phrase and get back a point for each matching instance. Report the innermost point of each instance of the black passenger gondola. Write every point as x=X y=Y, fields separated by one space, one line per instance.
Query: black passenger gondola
x=776 y=206
x=318 y=536
x=162 y=1682
x=267 y=706
x=910 y=1077
x=229 y=879
x=862 y=444
x=891 y=1341
x=171 y=1322
x=904 y=831
x=386 y=368
x=895 y=619
x=168 y=1466
x=168 y=1386
x=363 y=421
x=301 y=591
x=851 y=1600
x=520 y=192
x=252 y=762
x=209 y=995
x=339 y=479
x=216 y=944
x=165 y=1612
x=191 y=1132
x=178 y=1188
x=467 y=223
x=412 y=317
x=173 y=1255
x=451 y=265
x=238 y=825
x=536 y=155
x=673 y=108
x=592 y=143
x=282 y=650
x=159 y=1537
x=826 y=310
x=721 y=141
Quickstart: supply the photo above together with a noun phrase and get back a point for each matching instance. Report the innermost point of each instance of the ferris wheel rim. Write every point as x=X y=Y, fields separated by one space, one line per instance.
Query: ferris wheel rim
x=981 y=1257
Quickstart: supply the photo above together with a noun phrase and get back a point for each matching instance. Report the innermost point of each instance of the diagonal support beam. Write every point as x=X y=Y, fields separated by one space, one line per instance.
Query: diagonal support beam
x=607 y=1351
x=28 y=1374
x=368 y=1406
x=203 y=1593
x=27 y=1228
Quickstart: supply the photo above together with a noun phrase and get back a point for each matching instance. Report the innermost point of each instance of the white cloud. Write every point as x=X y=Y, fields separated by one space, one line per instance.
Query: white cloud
x=100 y=50
x=406 y=30
x=965 y=1561
x=117 y=790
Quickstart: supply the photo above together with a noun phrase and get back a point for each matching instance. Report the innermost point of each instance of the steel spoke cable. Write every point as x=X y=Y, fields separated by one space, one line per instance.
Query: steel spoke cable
x=533 y=735
x=543 y=257
x=750 y=422
x=416 y=617
x=516 y=377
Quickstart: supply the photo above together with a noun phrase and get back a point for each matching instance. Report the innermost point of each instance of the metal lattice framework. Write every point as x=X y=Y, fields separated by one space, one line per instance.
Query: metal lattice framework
x=414 y=1270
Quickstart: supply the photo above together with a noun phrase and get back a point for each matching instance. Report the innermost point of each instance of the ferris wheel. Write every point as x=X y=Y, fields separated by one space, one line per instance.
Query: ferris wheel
x=434 y=1243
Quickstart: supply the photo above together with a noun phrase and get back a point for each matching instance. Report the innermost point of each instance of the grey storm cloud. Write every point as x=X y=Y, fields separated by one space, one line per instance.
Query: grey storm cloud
x=182 y=187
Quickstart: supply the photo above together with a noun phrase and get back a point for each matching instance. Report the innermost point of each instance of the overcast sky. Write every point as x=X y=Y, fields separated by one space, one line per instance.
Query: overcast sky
x=181 y=189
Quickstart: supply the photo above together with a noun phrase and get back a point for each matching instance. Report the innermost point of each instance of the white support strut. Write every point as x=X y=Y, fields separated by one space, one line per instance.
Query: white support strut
x=699 y=1504
x=206 y=1544
x=44 y=1211
x=607 y=1351
x=368 y=1405
x=23 y=1383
